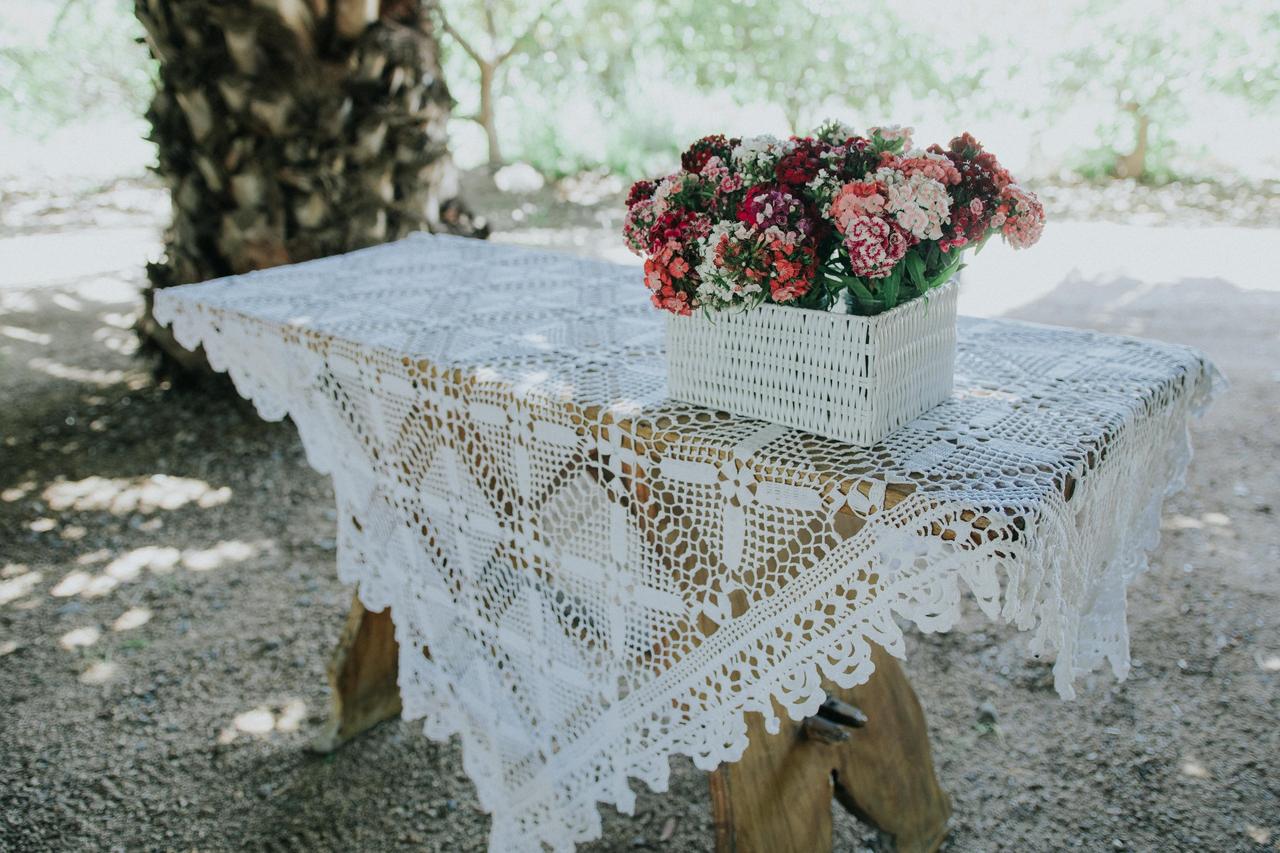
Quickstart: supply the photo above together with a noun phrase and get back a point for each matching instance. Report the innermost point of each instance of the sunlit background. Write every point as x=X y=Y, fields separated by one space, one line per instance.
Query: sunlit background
x=1141 y=113
x=1082 y=89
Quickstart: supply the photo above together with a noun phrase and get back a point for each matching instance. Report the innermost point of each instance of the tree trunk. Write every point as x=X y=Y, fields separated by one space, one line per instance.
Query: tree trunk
x=791 y=109
x=1134 y=164
x=488 y=75
x=294 y=129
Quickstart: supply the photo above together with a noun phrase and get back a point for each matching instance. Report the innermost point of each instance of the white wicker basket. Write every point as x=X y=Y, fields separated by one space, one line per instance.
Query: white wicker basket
x=850 y=378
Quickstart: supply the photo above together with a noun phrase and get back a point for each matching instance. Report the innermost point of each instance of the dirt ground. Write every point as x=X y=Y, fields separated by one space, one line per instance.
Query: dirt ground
x=168 y=603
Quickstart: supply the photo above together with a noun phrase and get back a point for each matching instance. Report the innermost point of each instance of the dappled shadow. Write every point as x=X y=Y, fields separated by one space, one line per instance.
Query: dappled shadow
x=168 y=603
x=98 y=489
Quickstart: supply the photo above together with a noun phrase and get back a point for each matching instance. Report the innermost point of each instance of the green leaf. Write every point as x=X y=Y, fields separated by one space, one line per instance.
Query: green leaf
x=943 y=275
x=933 y=256
x=915 y=268
x=890 y=286
x=860 y=290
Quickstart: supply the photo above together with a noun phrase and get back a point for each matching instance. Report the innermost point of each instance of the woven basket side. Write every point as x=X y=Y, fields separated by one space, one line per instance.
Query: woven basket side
x=846 y=377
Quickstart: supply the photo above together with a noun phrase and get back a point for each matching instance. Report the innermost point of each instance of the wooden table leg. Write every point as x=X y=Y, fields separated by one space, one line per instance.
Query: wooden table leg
x=777 y=799
x=362 y=677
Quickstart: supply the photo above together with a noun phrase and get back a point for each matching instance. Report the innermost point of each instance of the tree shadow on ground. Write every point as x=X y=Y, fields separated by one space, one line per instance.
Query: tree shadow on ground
x=183 y=741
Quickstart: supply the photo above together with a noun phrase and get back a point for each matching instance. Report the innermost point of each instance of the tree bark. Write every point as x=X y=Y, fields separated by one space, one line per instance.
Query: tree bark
x=294 y=129
x=488 y=73
x=1134 y=164
x=791 y=112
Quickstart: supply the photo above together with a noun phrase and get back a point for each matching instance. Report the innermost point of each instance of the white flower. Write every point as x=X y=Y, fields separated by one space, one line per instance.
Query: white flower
x=668 y=185
x=756 y=156
x=824 y=187
x=716 y=287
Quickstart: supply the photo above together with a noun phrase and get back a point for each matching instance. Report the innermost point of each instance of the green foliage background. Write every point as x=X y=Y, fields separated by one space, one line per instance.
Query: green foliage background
x=65 y=60
x=621 y=85
x=607 y=83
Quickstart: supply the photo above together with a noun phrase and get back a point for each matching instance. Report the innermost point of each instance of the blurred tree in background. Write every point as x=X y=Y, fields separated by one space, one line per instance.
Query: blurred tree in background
x=806 y=57
x=61 y=61
x=1154 y=68
x=480 y=30
x=629 y=76
x=294 y=129
x=1137 y=88
x=526 y=71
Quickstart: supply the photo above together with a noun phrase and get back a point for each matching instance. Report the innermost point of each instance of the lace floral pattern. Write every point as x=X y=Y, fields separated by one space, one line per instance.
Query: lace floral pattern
x=603 y=577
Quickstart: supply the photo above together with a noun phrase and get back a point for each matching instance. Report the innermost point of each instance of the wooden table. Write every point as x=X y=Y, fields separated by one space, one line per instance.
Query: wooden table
x=360 y=349
x=777 y=799
x=868 y=748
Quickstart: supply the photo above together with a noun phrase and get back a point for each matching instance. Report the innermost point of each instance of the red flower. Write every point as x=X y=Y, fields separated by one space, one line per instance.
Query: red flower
x=874 y=245
x=678 y=226
x=640 y=190
x=794 y=268
x=969 y=223
x=766 y=204
x=662 y=272
x=704 y=149
x=981 y=175
x=802 y=164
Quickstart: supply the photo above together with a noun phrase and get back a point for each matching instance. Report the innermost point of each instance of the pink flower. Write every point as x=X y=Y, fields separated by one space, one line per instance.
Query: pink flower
x=874 y=244
x=667 y=187
x=891 y=133
x=919 y=204
x=662 y=271
x=721 y=176
x=860 y=198
x=654 y=276
x=637 y=224
x=674 y=301
x=1020 y=215
x=935 y=166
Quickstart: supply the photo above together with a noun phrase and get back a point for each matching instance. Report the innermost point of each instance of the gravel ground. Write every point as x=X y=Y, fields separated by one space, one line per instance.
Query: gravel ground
x=168 y=603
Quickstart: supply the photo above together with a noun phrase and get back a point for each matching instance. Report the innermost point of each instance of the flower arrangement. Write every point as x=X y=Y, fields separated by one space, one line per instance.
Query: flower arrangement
x=828 y=221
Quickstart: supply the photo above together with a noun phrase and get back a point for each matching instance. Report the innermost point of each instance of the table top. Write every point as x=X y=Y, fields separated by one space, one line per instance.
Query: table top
x=631 y=574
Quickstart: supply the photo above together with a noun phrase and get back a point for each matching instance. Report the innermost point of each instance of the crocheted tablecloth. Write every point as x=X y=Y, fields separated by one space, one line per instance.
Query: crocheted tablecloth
x=603 y=577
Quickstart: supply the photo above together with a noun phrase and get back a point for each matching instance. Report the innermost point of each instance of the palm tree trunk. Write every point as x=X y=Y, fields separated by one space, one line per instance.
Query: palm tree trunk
x=294 y=129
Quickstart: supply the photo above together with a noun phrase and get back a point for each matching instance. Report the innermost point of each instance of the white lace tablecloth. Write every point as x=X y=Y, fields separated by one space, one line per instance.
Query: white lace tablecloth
x=604 y=577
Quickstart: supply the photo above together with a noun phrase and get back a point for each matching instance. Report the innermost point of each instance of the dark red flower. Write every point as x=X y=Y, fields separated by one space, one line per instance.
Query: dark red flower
x=678 y=226
x=640 y=190
x=766 y=205
x=981 y=175
x=966 y=226
x=852 y=160
x=704 y=149
x=802 y=164
x=965 y=145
